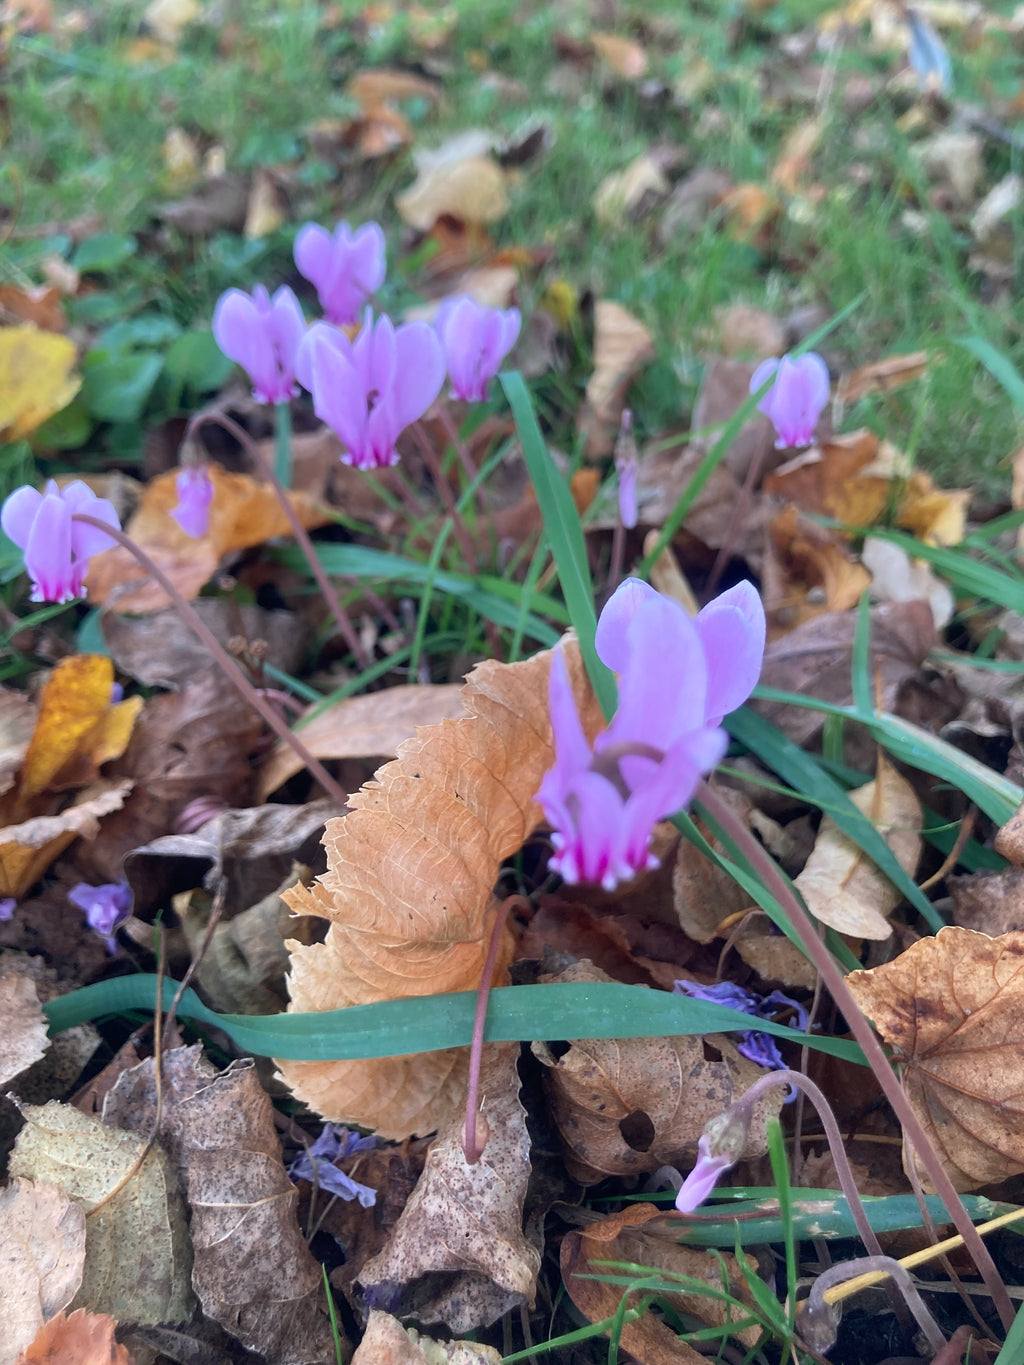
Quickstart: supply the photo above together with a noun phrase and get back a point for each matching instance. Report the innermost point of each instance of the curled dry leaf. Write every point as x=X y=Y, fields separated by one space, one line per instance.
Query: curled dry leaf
x=465 y=1220
x=408 y=890
x=363 y=727
x=624 y=1106
x=23 y=1039
x=243 y=513
x=387 y=1342
x=458 y=180
x=42 y=1233
x=642 y=1234
x=622 y=346
x=253 y=1273
x=28 y=849
x=952 y=1007
x=80 y=1338
x=36 y=378
x=132 y=1199
x=840 y=884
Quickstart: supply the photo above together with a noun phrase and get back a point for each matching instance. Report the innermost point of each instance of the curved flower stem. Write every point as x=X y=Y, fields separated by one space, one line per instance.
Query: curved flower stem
x=865 y=1035
x=820 y=1316
x=302 y=540
x=283 y=444
x=472 y=1150
x=459 y=446
x=223 y=660
x=447 y=496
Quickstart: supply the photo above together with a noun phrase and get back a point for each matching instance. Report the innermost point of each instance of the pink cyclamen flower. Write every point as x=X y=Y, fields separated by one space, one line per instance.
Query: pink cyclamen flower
x=476 y=340
x=344 y=267
x=677 y=679
x=195 y=493
x=261 y=334
x=370 y=389
x=795 y=400
x=105 y=907
x=57 y=549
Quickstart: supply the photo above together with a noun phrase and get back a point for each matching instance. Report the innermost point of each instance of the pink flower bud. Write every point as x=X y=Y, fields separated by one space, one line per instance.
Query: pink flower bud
x=344 y=267
x=795 y=400
x=195 y=493
x=261 y=334
x=476 y=340
x=57 y=549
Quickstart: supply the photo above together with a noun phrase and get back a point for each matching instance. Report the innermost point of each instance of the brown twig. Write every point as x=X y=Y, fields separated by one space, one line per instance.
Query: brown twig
x=430 y=459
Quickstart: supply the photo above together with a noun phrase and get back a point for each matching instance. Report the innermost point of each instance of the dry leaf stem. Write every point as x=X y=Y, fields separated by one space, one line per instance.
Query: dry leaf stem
x=868 y=1040
x=345 y=627
x=430 y=459
x=224 y=660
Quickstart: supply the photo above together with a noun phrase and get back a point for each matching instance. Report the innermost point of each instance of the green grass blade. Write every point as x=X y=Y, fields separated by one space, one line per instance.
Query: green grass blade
x=860 y=666
x=1013 y=1347
x=394 y=1028
x=1002 y=370
x=564 y=535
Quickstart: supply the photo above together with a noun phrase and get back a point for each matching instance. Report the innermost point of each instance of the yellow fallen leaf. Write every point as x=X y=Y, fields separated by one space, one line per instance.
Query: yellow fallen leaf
x=794 y=160
x=622 y=55
x=29 y=848
x=265 y=212
x=168 y=19
x=36 y=378
x=458 y=180
x=938 y=516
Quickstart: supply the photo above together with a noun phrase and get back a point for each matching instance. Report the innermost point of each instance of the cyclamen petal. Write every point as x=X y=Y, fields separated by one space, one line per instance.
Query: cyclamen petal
x=262 y=334
x=195 y=494
x=732 y=634
x=344 y=267
x=57 y=550
x=796 y=399
x=476 y=340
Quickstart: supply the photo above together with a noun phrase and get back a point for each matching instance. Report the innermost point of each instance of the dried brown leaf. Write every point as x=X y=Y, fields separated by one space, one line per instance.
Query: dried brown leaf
x=42 y=1233
x=387 y=1342
x=622 y=55
x=23 y=1040
x=990 y=902
x=17 y=722
x=386 y=85
x=28 y=849
x=408 y=888
x=458 y=180
x=881 y=376
x=624 y=1106
x=80 y=1338
x=253 y=1272
x=952 y=1008
x=370 y=726
x=131 y=1198
x=622 y=346
x=465 y=1220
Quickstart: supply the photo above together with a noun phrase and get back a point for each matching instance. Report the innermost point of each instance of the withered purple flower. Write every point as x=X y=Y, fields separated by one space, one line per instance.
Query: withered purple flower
x=317 y=1164
x=106 y=907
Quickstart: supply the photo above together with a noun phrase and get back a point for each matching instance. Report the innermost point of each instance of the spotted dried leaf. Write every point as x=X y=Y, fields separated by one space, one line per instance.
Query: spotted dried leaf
x=42 y=1233
x=387 y=1342
x=23 y=1040
x=408 y=890
x=952 y=1007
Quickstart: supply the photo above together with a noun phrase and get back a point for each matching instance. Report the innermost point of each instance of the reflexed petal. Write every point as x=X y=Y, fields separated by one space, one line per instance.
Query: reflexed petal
x=19 y=512
x=320 y=334
x=419 y=371
x=87 y=541
x=611 y=640
x=288 y=327
x=732 y=633
x=339 y=398
x=48 y=553
x=242 y=332
x=369 y=258
x=383 y=358
x=314 y=254
x=702 y=1179
x=572 y=752
x=663 y=687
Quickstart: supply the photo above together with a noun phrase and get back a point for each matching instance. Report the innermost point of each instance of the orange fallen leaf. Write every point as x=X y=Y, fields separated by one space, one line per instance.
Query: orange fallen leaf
x=408 y=887
x=387 y=85
x=795 y=158
x=750 y=213
x=881 y=376
x=243 y=513
x=81 y=1339
x=28 y=849
x=818 y=558
x=622 y=55
x=40 y=306
x=938 y=516
x=952 y=1008
x=831 y=480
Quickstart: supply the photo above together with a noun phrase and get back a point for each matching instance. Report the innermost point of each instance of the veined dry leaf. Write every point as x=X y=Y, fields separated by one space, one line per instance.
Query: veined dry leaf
x=409 y=883
x=953 y=1008
x=42 y=1233
x=243 y=513
x=621 y=195
x=622 y=55
x=459 y=179
x=387 y=1342
x=465 y=1220
x=79 y=1339
x=253 y=1272
x=28 y=849
x=840 y=884
x=622 y=346
x=23 y=1040
x=265 y=211
x=363 y=727
x=132 y=1201
x=643 y=1234
x=881 y=376
x=624 y=1106
x=36 y=378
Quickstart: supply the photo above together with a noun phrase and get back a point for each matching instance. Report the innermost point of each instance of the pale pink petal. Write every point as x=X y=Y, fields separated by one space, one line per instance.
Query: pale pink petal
x=321 y=333
x=87 y=541
x=241 y=331
x=19 y=512
x=419 y=371
x=663 y=687
x=314 y=254
x=732 y=633
x=339 y=398
x=48 y=553
x=611 y=640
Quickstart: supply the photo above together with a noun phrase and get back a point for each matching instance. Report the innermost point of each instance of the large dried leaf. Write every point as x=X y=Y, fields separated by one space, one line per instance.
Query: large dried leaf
x=253 y=1272
x=42 y=1236
x=79 y=1338
x=387 y=1342
x=36 y=378
x=370 y=726
x=131 y=1200
x=952 y=1008
x=28 y=849
x=624 y=1106
x=840 y=884
x=457 y=180
x=23 y=1040
x=408 y=888
x=467 y=1221
x=622 y=346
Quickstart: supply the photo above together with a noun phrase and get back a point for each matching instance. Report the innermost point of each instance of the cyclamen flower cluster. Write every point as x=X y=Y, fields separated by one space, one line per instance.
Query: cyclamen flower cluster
x=678 y=678
x=57 y=548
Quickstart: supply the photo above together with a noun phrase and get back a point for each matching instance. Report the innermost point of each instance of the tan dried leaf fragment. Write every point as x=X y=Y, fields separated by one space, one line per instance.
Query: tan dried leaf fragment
x=953 y=1008
x=387 y=1342
x=42 y=1252
x=80 y=1338
x=408 y=887
x=23 y=1039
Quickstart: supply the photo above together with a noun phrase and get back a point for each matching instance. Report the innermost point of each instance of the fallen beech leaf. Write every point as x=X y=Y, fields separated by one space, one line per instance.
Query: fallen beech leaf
x=243 y=513
x=467 y=1220
x=408 y=888
x=622 y=55
x=265 y=212
x=23 y=1040
x=42 y=1233
x=881 y=376
x=952 y=1007
x=458 y=179
x=938 y=516
x=750 y=213
x=253 y=1272
x=362 y=727
x=79 y=1339
x=624 y=1106
x=40 y=306
x=895 y=577
x=794 y=162
x=132 y=1200
x=622 y=346
x=831 y=479
x=624 y=194
x=386 y=85
x=842 y=886
x=642 y=1234
x=36 y=378
x=28 y=849
x=817 y=558
x=387 y=1342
